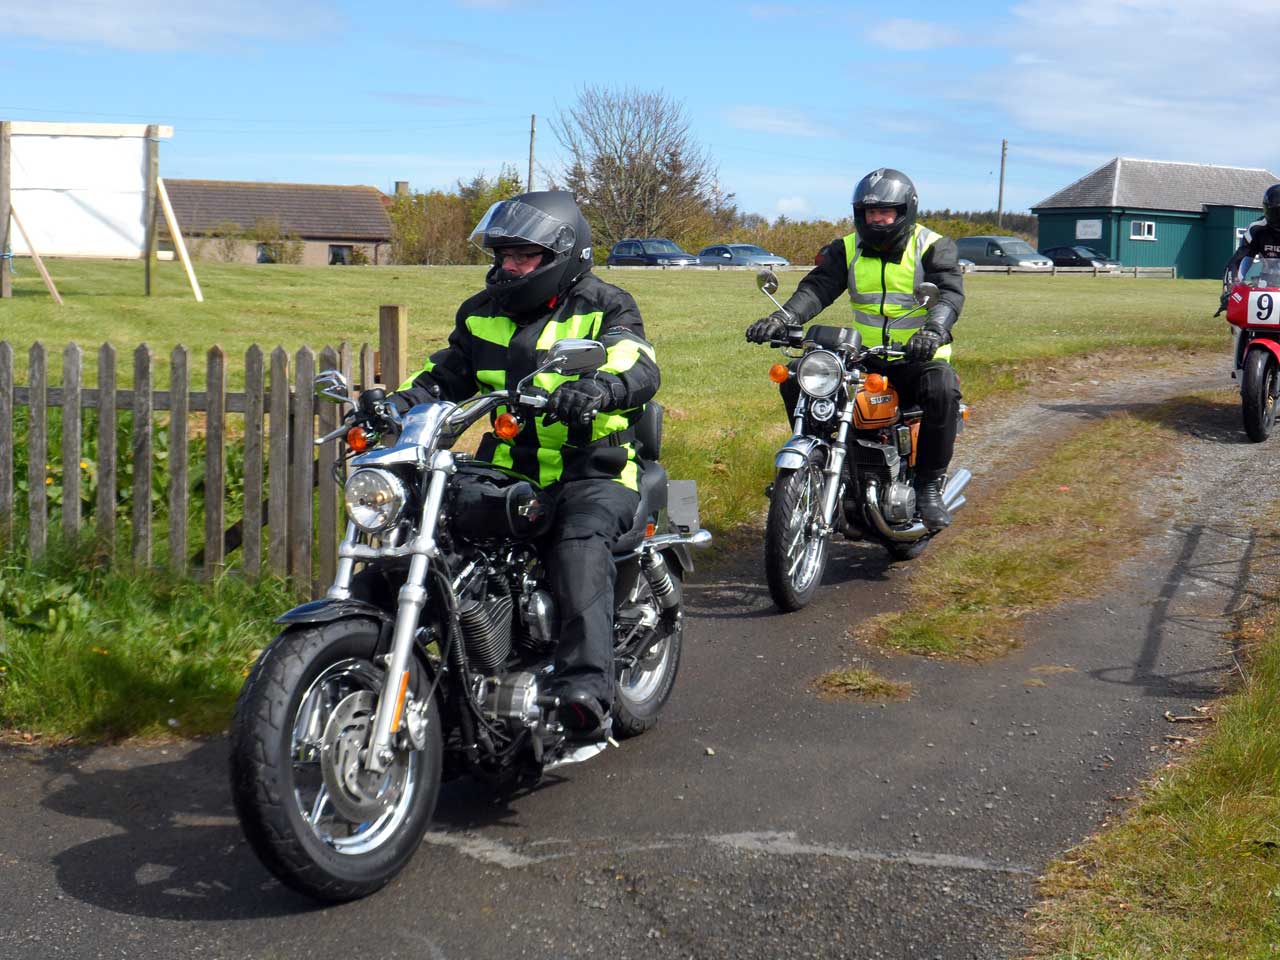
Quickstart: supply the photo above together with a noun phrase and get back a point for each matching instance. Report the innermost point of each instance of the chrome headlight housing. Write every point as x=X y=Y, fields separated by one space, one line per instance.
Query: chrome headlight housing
x=820 y=373
x=375 y=499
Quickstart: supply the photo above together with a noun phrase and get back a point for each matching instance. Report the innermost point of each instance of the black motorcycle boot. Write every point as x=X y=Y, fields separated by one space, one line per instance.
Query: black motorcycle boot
x=929 y=503
x=584 y=715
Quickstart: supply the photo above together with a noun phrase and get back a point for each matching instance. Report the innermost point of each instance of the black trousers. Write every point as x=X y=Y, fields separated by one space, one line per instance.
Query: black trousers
x=588 y=518
x=932 y=386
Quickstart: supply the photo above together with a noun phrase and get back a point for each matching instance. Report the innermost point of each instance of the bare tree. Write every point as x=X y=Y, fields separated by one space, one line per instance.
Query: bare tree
x=633 y=165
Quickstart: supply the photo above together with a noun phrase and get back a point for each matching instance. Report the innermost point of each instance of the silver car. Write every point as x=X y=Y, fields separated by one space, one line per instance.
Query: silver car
x=740 y=255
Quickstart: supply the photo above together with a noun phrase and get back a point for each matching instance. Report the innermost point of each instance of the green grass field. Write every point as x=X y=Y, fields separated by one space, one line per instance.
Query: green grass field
x=724 y=418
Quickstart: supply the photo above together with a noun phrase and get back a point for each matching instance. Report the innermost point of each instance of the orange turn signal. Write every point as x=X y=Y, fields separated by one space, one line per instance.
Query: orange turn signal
x=357 y=439
x=876 y=383
x=650 y=529
x=506 y=426
x=964 y=412
x=779 y=373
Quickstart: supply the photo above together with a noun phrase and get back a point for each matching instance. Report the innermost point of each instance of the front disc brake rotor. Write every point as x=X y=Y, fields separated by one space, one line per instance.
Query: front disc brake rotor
x=359 y=795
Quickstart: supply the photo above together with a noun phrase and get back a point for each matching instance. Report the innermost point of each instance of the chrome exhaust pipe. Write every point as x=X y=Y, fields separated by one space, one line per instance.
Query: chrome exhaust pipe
x=908 y=534
x=951 y=494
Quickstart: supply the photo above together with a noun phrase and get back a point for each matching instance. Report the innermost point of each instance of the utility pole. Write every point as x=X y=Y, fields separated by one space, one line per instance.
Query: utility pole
x=533 y=127
x=1004 y=152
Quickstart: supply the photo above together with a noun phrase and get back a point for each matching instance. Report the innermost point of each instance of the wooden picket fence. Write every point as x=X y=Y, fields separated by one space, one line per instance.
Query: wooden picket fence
x=280 y=420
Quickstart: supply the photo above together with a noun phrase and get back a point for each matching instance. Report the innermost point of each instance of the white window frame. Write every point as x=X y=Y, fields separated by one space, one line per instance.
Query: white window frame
x=1240 y=235
x=1142 y=229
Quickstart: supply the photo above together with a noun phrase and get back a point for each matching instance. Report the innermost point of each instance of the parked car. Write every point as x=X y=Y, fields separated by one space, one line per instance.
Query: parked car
x=1002 y=252
x=965 y=265
x=741 y=255
x=1080 y=257
x=650 y=252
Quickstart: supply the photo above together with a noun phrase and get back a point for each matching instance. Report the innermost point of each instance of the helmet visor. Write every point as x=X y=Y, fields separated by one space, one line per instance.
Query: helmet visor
x=511 y=222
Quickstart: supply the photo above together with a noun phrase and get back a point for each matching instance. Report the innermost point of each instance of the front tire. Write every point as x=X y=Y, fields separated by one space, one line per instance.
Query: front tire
x=795 y=554
x=1259 y=388
x=319 y=824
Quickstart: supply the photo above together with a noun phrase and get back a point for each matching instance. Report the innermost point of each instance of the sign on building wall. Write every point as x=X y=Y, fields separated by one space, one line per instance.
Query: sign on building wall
x=1088 y=229
x=80 y=190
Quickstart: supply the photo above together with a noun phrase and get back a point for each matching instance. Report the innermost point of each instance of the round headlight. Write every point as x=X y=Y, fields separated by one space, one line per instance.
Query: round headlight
x=375 y=499
x=819 y=373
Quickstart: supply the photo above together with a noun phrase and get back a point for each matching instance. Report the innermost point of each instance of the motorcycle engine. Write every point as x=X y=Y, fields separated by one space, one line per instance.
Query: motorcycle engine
x=485 y=619
x=899 y=502
x=512 y=698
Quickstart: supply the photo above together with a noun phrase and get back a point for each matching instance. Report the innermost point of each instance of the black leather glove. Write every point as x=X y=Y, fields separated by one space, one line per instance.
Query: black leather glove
x=577 y=401
x=768 y=328
x=1222 y=302
x=422 y=390
x=924 y=343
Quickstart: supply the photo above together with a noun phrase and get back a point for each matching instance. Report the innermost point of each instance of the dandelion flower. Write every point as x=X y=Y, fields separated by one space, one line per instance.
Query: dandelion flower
x=48 y=481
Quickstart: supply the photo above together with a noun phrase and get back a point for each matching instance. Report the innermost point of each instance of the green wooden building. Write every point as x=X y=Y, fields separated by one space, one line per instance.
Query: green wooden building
x=1149 y=213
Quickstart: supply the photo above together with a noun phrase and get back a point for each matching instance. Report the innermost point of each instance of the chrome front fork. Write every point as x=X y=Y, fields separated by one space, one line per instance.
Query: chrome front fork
x=835 y=472
x=412 y=598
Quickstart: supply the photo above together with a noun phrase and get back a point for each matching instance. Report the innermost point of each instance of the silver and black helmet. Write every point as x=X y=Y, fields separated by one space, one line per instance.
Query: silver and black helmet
x=885 y=187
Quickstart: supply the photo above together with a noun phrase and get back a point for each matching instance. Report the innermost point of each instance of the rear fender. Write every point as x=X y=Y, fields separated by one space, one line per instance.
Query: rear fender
x=798 y=451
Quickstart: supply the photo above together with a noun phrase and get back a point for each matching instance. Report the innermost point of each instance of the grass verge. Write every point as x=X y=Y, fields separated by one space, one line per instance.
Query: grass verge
x=87 y=653
x=1050 y=534
x=860 y=683
x=1194 y=869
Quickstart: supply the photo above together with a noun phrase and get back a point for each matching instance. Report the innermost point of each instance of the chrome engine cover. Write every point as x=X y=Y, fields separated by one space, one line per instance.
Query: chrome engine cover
x=899 y=502
x=512 y=698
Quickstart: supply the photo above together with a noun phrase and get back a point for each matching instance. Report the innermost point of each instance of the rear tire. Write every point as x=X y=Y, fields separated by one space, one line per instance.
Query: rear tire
x=1259 y=388
x=642 y=691
x=795 y=556
x=278 y=751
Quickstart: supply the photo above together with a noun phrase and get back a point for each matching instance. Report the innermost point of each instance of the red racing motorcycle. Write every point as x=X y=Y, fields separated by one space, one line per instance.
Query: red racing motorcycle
x=1253 y=309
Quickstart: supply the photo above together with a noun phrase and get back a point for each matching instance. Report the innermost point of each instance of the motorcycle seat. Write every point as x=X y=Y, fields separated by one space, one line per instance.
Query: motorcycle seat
x=653 y=498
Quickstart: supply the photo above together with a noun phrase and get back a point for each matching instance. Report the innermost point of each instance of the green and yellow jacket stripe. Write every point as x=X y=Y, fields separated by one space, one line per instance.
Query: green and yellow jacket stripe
x=489 y=350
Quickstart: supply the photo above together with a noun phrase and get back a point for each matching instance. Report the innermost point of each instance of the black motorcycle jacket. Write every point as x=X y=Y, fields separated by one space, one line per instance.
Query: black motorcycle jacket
x=1259 y=240
x=823 y=284
x=489 y=350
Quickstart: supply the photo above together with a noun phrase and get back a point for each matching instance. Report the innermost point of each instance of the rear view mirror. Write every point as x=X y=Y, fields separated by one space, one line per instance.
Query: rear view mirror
x=767 y=282
x=927 y=294
x=572 y=357
x=333 y=386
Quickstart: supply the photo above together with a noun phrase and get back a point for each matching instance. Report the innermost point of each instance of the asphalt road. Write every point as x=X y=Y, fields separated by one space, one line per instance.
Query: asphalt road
x=755 y=821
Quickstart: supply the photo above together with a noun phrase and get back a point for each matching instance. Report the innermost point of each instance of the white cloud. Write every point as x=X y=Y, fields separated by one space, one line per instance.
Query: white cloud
x=787 y=123
x=166 y=24
x=1160 y=79
x=792 y=206
x=903 y=34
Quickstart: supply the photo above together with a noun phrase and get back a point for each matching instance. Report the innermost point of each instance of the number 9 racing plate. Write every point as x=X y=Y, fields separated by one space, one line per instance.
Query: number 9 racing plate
x=1264 y=308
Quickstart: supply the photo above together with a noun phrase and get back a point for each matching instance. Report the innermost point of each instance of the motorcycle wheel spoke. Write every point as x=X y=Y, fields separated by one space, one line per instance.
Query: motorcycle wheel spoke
x=317 y=806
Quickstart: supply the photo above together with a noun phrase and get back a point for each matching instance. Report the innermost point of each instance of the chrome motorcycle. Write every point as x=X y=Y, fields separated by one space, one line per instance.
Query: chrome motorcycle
x=356 y=712
x=849 y=466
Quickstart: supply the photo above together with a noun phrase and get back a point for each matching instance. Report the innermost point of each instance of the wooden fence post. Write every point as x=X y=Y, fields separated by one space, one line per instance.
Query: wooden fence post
x=71 y=357
x=37 y=450
x=252 y=542
x=302 y=469
x=142 y=436
x=327 y=544
x=366 y=368
x=278 y=469
x=6 y=443
x=215 y=465
x=106 y=506
x=393 y=343
x=179 y=409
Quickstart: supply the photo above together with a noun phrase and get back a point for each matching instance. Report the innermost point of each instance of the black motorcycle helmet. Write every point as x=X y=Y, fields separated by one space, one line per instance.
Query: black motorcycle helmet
x=1271 y=205
x=548 y=219
x=884 y=188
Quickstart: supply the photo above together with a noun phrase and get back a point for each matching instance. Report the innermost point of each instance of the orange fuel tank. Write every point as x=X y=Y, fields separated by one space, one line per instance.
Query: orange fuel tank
x=875 y=409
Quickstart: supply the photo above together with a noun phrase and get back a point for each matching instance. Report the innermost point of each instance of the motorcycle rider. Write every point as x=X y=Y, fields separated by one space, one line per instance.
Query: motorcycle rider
x=881 y=265
x=1261 y=240
x=581 y=450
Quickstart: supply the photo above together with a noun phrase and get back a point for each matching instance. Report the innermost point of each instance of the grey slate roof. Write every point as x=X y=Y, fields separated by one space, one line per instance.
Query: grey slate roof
x=309 y=211
x=1160 y=185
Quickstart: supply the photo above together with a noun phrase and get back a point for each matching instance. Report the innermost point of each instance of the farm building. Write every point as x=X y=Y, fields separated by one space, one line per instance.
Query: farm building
x=1150 y=213
x=286 y=222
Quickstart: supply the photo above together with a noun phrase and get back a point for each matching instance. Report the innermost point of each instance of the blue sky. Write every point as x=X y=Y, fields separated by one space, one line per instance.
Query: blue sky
x=794 y=101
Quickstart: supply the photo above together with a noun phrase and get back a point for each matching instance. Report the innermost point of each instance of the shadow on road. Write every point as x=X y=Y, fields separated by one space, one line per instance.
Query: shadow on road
x=1202 y=417
x=178 y=853
x=1230 y=560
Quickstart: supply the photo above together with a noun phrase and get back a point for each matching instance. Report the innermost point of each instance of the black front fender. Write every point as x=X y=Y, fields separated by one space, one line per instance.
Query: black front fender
x=328 y=610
